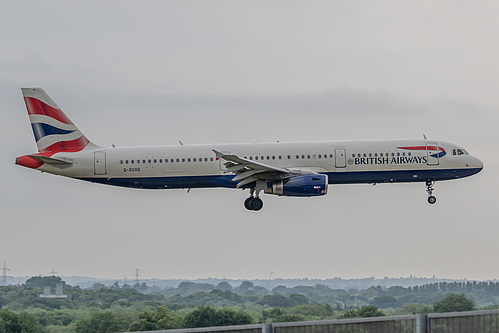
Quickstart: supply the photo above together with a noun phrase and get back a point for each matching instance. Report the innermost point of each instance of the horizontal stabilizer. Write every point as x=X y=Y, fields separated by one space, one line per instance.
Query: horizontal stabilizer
x=51 y=160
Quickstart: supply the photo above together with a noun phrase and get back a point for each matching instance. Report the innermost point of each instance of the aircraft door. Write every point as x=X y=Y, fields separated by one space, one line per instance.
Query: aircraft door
x=432 y=154
x=340 y=157
x=100 y=163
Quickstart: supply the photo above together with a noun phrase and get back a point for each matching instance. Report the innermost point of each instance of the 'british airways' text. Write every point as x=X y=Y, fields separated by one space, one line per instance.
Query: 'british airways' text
x=392 y=160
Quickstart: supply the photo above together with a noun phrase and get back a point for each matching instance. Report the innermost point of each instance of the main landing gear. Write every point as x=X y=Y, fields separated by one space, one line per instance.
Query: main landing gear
x=253 y=202
x=429 y=190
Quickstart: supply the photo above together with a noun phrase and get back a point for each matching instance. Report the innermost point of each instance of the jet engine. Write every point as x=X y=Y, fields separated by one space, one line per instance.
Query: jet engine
x=299 y=186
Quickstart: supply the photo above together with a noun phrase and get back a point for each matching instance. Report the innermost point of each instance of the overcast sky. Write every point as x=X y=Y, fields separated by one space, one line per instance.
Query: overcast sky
x=155 y=72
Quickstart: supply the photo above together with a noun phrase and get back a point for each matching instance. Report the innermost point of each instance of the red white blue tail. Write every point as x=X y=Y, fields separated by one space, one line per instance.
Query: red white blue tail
x=53 y=130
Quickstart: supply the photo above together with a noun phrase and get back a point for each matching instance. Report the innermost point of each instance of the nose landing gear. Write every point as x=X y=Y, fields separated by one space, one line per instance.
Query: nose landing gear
x=429 y=190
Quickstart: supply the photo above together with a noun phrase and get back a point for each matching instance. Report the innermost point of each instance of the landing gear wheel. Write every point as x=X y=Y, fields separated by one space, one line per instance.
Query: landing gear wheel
x=247 y=203
x=253 y=203
x=432 y=199
x=256 y=204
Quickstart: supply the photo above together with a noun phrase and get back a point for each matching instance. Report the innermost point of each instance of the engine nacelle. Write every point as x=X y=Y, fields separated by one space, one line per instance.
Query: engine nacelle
x=299 y=186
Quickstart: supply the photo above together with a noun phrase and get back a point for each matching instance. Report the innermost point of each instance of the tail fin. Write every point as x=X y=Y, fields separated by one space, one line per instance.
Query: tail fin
x=52 y=128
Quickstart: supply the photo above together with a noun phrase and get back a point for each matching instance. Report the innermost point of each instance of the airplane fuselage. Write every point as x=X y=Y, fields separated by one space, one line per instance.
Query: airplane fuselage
x=196 y=166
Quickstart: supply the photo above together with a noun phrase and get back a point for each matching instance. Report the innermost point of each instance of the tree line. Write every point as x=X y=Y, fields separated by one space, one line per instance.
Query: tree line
x=139 y=307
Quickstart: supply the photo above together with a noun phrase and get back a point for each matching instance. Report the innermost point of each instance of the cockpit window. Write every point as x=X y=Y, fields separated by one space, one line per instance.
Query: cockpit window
x=459 y=151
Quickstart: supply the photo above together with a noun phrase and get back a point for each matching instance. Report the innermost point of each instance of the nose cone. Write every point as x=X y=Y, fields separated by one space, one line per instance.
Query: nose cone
x=478 y=163
x=475 y=164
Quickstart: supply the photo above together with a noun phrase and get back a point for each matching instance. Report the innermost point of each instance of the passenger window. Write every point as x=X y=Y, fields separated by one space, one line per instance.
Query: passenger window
x=132 y=161
x=297 y=157
x=189 y=159
x=126 y=162
x=121 y=161
x=303 y=156
x=268 y=157
x=155 y=161
x=308 y=156
x=289 y=157
x=138 y=161
x=331 y=155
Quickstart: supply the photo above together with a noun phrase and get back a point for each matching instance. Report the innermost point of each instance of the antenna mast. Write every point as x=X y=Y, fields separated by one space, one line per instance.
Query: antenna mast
x=4 y=274
x=137 y=275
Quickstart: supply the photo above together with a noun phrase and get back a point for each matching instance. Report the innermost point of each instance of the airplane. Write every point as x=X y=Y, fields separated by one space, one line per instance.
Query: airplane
x=294 y=169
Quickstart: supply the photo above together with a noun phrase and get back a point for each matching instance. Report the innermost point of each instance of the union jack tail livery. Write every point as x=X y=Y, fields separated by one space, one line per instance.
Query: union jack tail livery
x=53 y=130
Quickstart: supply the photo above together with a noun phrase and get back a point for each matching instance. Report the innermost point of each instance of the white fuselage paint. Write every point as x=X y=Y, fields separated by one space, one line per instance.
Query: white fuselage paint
x=371 y=161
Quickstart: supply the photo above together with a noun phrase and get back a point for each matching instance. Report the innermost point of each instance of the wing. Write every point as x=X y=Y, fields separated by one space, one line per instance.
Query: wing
x=248 y=171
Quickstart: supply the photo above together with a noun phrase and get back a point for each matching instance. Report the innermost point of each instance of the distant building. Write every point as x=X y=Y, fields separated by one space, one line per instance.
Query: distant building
x=58 y=292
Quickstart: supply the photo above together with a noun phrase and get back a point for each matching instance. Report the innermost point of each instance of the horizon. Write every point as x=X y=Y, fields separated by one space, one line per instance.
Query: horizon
x=131 y=278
